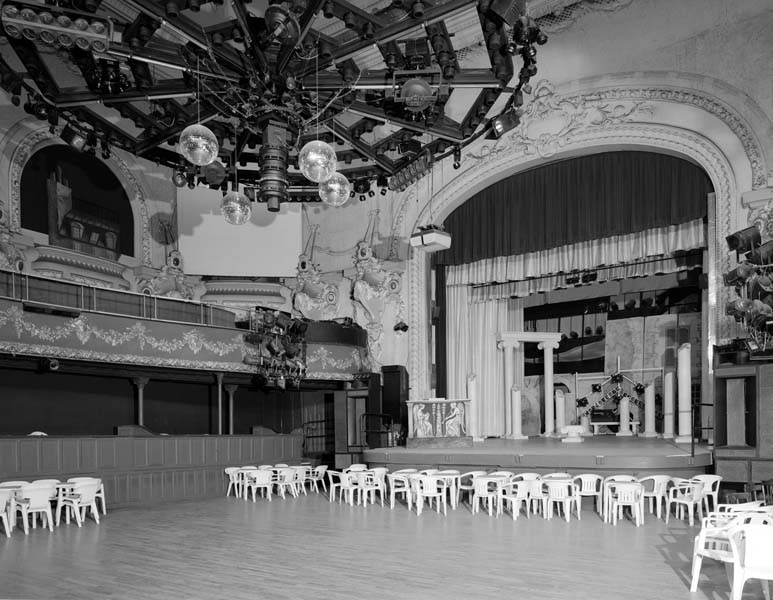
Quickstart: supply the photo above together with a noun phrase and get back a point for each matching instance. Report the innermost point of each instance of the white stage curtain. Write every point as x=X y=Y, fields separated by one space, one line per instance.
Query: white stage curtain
x=472 y=330
x=584 y=255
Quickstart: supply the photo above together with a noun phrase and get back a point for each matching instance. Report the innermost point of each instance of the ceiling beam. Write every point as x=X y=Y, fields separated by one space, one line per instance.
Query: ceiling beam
x=307 y=18
x=147 y=144
x=253 y=50
x=342 y=132
x=393 y=32
x=384 y=79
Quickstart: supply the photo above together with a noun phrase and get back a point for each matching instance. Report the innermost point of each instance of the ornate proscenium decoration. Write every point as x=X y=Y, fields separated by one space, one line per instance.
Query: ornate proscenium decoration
x=273 y=86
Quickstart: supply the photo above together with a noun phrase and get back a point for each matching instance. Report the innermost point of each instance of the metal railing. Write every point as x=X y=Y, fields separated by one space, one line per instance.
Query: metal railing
x=377 y=430
x=76 y=296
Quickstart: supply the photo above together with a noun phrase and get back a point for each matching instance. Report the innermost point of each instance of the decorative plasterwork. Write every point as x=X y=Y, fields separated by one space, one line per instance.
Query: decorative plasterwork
x=486 y=164
x=554 y=16
x=169 y=282
x=314 y=298
x=226 y=291
x=36 y=140
x=70 y=258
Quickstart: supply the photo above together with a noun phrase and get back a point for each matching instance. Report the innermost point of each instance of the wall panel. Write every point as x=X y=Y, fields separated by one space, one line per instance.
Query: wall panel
x=145 y=470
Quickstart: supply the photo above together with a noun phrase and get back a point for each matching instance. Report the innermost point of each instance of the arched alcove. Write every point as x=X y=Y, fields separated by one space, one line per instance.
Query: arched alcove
x=76 y=200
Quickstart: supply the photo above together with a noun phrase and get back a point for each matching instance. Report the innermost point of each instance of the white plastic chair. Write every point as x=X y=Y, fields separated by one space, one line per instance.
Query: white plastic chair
x=752 y=547
x=367 y=486
x=100 y=491
x=399 y=484
x=688 y=495
x=258 y=480
x=590 y=485
x=380 y=475
x=560 y=493
x=658 y=492
x=285 y=480
x=485 y=489
x=233 y=481
x=82 y=497
x=318 y=476
x=466 y=484
x=516 y=493
x=710 y=489
x=431 y=487
x=356 y=467
x=334 y=481
x=606 y=493
x=622 y=494
x=347 y=487
x=34 y=499
x=713 y=540
x=557 y=475
x=5 y=500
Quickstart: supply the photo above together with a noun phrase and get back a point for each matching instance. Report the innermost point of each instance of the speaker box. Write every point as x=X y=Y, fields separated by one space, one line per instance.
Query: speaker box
x=394 y=393
x=508 y=10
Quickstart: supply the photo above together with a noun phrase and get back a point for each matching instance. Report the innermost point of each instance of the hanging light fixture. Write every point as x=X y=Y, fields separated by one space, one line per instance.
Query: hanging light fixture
x=317 y=159
x=335 y=191
x=235 y=206
x=197 y=143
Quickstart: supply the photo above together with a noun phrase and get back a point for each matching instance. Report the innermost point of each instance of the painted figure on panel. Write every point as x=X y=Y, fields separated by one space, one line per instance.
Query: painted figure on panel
x=454 y=422
x=422 y=425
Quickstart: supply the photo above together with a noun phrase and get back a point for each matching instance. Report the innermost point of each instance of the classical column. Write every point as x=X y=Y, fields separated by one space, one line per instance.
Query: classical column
x=684 y=384
x=517 y=433
x=668 y=405
x=547 y=348
x=560 y=401
x=649 y=411
x=508 y=354
x=231 y=388
x=219 y=377
x=472 y=410
x=624 y=430
x=140 y=383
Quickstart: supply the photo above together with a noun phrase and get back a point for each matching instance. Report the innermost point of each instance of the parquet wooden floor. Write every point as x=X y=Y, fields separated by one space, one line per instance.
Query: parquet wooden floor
x=310 y=548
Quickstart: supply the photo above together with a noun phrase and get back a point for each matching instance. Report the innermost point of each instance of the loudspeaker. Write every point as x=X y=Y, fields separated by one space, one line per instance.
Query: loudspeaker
x=394 y=393
x=508 y=10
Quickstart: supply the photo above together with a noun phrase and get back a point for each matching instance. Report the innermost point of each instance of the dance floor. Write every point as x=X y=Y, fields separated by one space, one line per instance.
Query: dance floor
x=310 y=548
x=603 y=454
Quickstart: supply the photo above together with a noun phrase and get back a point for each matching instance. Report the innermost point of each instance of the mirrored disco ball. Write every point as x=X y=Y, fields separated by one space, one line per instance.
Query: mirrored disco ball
x=236 y=208
x=317 y=161
x=335 y=191
x=198 y=145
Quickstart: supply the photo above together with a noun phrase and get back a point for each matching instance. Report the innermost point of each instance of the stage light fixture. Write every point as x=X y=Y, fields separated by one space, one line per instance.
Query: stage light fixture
x=457 y=157
x=763 y=255
x=503 y=123
x=744 y=240
x=73 y=137
x=738 y=276
x=327 y=10
x=596 y=388
x=179 y=178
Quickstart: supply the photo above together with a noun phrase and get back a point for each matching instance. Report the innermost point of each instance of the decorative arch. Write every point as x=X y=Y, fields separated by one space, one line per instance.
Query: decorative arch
x=32 y=141
x=599 y=119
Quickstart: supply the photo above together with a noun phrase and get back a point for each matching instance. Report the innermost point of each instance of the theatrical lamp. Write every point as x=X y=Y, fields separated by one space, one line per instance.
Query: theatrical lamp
x=317 y=161
x=457 y=157
x=383 y=183
x=336 y=190
x=739 y=275
x=73 y=137
x=283 y=321
x=738 y=308
x=762 y=255
x=596 y=388
x=503 y=123
x=745 y=240
x=179 y=178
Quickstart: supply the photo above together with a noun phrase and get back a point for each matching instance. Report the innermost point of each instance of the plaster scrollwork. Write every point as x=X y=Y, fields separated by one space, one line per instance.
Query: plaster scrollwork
x=374 y=288
x=762 y=218
x=170 y=281
x=31 y=143
x=550 y=122
x=314 y=298
x=11 y=257
x=561 y=17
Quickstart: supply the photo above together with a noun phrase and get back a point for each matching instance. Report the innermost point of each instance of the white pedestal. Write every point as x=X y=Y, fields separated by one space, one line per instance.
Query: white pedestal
x=625 y=419
x=649 y=412
x=515 y=412
x=668 y=405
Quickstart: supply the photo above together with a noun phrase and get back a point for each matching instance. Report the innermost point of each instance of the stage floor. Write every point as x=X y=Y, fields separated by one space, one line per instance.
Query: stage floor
x=603 y=453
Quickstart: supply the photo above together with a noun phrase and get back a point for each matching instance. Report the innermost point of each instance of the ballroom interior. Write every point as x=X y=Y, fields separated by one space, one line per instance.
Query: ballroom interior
x=491 y=236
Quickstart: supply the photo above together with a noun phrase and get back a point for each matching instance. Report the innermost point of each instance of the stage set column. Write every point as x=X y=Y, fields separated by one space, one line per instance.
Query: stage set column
x=668 y=405
x=140 y=383
x=231 y=389
x=517 y=428
x=684 y=388
x=550 y=417
x=508 y=356
x=219 y=378
x=649 y=411
x=472 y=410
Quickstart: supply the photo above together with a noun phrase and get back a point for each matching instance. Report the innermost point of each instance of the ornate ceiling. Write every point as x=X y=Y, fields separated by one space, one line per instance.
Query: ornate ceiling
x=392 y=85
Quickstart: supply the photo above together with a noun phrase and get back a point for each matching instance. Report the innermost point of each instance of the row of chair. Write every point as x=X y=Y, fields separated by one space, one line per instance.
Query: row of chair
x=29 y=500
x=269 y=479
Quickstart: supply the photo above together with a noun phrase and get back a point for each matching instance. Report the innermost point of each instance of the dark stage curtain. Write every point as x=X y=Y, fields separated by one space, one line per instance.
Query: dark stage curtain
x=576 y=200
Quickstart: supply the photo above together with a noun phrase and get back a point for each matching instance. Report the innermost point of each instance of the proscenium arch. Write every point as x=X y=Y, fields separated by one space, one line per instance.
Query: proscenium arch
x=28 y=141
x=630 y=136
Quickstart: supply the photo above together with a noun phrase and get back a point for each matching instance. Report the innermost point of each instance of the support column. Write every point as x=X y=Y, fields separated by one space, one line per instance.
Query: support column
x=140 y=383
x=219 y=377
x=668 y=405
x=684 y=385
x=472 y=410
x=624 y=429
x=517 y=433
x=547 y=348
x=231 y=389
x=508 y=355
x=560 y=401
x=649 y=412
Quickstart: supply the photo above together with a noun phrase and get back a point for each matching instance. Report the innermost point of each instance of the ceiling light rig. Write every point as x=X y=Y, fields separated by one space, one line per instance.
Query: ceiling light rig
x=178 y=76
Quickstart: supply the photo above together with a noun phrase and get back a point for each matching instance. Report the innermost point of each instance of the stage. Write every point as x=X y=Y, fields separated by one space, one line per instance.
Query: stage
x=602 y=454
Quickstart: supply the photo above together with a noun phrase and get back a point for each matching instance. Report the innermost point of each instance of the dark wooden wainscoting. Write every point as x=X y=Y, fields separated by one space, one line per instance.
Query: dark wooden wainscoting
x=142 y=470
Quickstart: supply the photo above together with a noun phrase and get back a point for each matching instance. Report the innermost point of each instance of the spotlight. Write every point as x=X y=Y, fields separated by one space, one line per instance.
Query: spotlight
x=401 y=326
x=409 y=147
x=367 y=31
x=745 y=240
x=371 y=193
x=178 y=178
x=362 y=197
x=457 y=157
x=194 y=5
x=191 y=181
x=73 y=137
x=349 y=21
x=738 y=276
x=417 y=9
x=505 y=122
x=596 y=388
x=172 y=9
x=763 y=255
x=327 y=10
x=283 y=321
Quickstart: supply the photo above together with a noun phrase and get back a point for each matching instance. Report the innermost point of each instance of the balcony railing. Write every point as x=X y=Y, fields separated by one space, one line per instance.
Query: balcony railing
x=30 y=288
